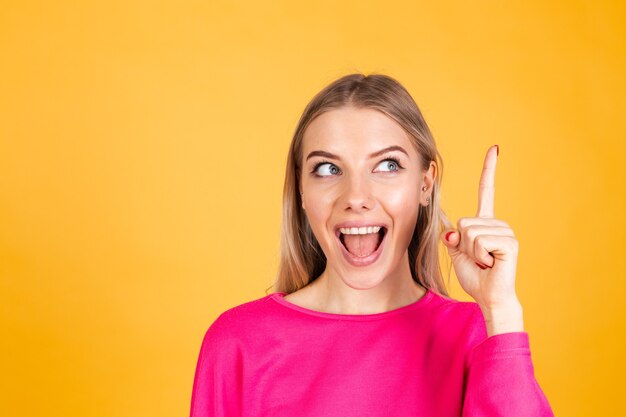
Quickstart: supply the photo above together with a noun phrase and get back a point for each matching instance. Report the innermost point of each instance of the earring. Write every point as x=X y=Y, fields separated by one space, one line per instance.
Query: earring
x=424 y=188
x=427 y=200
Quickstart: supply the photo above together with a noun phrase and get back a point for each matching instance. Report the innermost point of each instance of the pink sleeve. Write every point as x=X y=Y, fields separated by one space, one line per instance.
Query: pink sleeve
x=216 y=386
x=500 y=379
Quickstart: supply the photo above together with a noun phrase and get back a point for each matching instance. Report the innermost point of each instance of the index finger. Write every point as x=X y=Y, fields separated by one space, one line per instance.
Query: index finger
x=486 y=187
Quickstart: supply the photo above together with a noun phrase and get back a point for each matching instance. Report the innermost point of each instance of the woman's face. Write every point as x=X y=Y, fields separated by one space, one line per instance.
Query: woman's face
x=360 y=170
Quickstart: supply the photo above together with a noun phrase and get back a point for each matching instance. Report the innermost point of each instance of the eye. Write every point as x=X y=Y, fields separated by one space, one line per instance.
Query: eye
x=325 y=169
x=390 y=165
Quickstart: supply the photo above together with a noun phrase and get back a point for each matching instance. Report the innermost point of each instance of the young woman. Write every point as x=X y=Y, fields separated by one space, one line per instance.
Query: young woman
x=361 y=323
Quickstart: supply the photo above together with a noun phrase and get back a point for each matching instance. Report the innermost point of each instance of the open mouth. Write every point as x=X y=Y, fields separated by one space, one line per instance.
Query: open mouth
x=362 y=244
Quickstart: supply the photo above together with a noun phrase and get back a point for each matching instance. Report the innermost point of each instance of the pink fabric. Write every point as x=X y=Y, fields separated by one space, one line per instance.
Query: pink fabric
x=270 y=357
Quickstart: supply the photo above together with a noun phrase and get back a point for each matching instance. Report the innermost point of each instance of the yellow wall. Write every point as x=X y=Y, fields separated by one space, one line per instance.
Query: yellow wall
x=142 y=152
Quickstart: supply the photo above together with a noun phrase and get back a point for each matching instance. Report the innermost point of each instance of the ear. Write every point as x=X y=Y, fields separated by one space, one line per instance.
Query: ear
x=428 y=180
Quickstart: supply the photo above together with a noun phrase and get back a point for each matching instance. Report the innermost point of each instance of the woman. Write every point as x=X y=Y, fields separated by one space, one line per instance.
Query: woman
x=361 y=323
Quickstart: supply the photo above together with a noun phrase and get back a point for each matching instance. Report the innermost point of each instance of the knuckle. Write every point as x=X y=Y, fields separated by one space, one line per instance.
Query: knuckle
x=500 y=223
x=463 y=222
x=506 y=231
x=471 y=233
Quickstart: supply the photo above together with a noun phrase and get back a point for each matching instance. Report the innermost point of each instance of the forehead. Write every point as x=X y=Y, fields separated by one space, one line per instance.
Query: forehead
x=354 y=131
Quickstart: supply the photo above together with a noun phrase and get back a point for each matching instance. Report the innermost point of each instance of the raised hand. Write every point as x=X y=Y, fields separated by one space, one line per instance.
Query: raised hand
x=484 y=253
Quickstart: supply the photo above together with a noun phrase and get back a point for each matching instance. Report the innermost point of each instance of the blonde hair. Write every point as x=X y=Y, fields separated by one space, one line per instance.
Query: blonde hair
x=301 y=257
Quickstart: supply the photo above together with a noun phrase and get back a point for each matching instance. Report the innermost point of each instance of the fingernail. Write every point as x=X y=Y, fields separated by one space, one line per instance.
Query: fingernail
x=448 y=235
x=497 y=150
x=480 y=266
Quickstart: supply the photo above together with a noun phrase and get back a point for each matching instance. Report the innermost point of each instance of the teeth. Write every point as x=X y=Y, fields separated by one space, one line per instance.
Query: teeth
x=359 y=230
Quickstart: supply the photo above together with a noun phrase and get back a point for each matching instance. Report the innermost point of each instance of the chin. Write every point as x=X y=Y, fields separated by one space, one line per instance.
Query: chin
x=364 y=283
x=364 y=279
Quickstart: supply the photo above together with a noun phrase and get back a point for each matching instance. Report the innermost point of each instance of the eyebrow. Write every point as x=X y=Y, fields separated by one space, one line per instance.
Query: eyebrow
x=375 y=154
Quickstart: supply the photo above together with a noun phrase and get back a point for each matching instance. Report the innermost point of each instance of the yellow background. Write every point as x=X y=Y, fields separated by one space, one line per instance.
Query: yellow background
x=142 y=153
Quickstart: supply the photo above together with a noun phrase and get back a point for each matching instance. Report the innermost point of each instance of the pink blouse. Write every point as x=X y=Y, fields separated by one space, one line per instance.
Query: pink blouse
x=270 y=357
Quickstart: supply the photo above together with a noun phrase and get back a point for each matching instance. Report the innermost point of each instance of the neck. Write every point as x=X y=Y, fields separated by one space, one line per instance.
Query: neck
x=396 y=290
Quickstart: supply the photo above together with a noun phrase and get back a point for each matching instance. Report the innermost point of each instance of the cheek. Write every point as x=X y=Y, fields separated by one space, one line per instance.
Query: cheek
x=318 y=209
x=403 y=206
x=400 y=200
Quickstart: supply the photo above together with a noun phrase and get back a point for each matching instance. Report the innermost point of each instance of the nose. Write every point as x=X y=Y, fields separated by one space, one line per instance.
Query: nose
x=357 y=195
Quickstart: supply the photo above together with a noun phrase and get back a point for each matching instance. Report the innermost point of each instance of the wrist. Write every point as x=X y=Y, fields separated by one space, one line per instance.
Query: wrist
x=503 y=319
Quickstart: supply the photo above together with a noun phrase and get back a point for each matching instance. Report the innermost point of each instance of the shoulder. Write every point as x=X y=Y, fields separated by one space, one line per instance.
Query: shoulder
x=463 y=319
x=224 y=345
x=238 y=321
x=249 y=310
x=450 y=308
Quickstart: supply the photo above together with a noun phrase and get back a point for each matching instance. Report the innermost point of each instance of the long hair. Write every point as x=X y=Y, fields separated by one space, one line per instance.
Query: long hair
x=301 y=257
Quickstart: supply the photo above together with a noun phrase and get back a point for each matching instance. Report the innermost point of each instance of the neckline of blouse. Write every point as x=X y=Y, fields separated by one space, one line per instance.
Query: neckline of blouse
x=424 y=299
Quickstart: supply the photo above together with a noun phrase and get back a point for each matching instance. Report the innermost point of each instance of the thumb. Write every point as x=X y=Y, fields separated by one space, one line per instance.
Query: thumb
x=451 y=239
